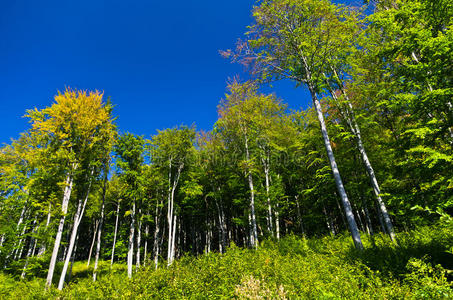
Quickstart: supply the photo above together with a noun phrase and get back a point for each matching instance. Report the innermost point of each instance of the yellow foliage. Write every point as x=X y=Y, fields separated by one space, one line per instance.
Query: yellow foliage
x=77 y=120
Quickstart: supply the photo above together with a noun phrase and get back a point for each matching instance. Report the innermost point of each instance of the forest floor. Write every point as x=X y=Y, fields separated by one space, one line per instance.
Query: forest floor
x=420 y=267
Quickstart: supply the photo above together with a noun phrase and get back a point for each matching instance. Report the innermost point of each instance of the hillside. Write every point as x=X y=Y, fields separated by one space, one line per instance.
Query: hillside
x=320 y=268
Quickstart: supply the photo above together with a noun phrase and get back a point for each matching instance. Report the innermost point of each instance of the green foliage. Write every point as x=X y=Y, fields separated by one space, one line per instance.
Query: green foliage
x=323 y=268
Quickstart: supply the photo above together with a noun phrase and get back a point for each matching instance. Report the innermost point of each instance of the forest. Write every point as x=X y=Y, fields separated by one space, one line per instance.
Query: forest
x=349 y=198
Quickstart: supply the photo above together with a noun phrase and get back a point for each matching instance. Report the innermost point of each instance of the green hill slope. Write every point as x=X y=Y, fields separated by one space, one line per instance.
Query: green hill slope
x=321 y=268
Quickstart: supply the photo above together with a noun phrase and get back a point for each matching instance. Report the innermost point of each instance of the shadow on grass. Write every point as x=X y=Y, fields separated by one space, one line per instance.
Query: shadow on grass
x=433 y=245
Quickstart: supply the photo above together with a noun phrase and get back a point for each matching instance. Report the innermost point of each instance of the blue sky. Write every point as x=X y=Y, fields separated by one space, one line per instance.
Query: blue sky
x=157 y=60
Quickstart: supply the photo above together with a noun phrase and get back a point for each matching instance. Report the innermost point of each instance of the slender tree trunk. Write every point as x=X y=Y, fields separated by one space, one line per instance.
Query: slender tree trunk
x=30 y=249
x=277 y=222
x=75 y=228
x=101 y=223
x=16 y=246
x=222 y=227
x=114 y=235
x=96 y=225
x=254 y=231
x=269 y=206
x=73 y=258
x=130 y=252
x=172 y=257
x=139 y=237
x=352 y=122
x=171 y=216
x=367 y=217
x=145 y=252
x=333 y=164
x=156 y=235
x=64 y=210
x=20 y=247
x=42 y=249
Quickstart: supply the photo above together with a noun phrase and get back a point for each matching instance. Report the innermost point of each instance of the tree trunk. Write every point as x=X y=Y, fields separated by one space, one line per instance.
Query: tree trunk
x=101 y=223
x=254 y=231
x=222 y=227
x=139 y=237
x=72 y=258
x=92 y=242
x=145 y=252
x=42 y=249
x=114 y=235
x=156 y=235
x=64 y=210
x=333 y=164
x=75 y=227
x=30 y=249
x=352 y=122
x=171 y=216
x=277 y=222
x=130 y=252
x=266 y=164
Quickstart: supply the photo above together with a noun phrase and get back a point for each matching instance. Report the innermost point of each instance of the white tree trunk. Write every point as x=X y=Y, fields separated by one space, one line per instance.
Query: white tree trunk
x=266 y=164
x=114 y=235
x=172 y=253
x=156 y=235
x=333 y=164
x=145 y=250
x=42 y=249
x=73 y=257
x=277 y=222
x=254 y=231
x=139 y=237
x=130 y=252
x=171 y=216
x=222 y=226
x=75 y=228
x=30 y=249
x=64 y=210
x=98 y=245
x=352 y=122
x=92 y=242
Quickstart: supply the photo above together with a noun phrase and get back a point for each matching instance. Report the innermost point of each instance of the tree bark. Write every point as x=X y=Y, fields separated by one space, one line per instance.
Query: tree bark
x=75 y=228
x=101 y=222
x=130 y=252
x=171 y=216
x=355 y=129
x=156 y=235
x=64 y=210
x=30 y=249
x=333 y=164
x=114 y=235
x=139 y=237
x=266 y=164
x=254 y=231
x=92 y=242
x=43 y=247
x=145 y=251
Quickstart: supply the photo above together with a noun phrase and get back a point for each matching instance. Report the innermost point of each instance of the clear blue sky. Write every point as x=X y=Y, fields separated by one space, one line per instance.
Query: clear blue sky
x=158 y=60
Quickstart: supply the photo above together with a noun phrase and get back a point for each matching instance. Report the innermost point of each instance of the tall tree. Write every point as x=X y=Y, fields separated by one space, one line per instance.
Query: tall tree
x=294 y=39
x=76 y=126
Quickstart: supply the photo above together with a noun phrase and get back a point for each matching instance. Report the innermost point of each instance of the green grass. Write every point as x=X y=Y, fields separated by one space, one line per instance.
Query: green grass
x=318 y=268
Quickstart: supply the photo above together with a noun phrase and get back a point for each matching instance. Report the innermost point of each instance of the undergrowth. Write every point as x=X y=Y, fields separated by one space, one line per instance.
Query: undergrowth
x=323 y=268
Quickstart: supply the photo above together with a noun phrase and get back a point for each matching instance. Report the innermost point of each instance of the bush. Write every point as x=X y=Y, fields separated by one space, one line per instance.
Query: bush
x=321 y=268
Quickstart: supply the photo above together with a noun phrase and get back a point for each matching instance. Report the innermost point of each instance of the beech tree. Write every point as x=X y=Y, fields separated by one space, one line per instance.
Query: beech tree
x=171 y=151
x=293 y=40
x=76 y=126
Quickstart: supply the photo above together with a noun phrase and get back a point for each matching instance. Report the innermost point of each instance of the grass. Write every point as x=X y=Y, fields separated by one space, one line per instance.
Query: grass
x=318 y=268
